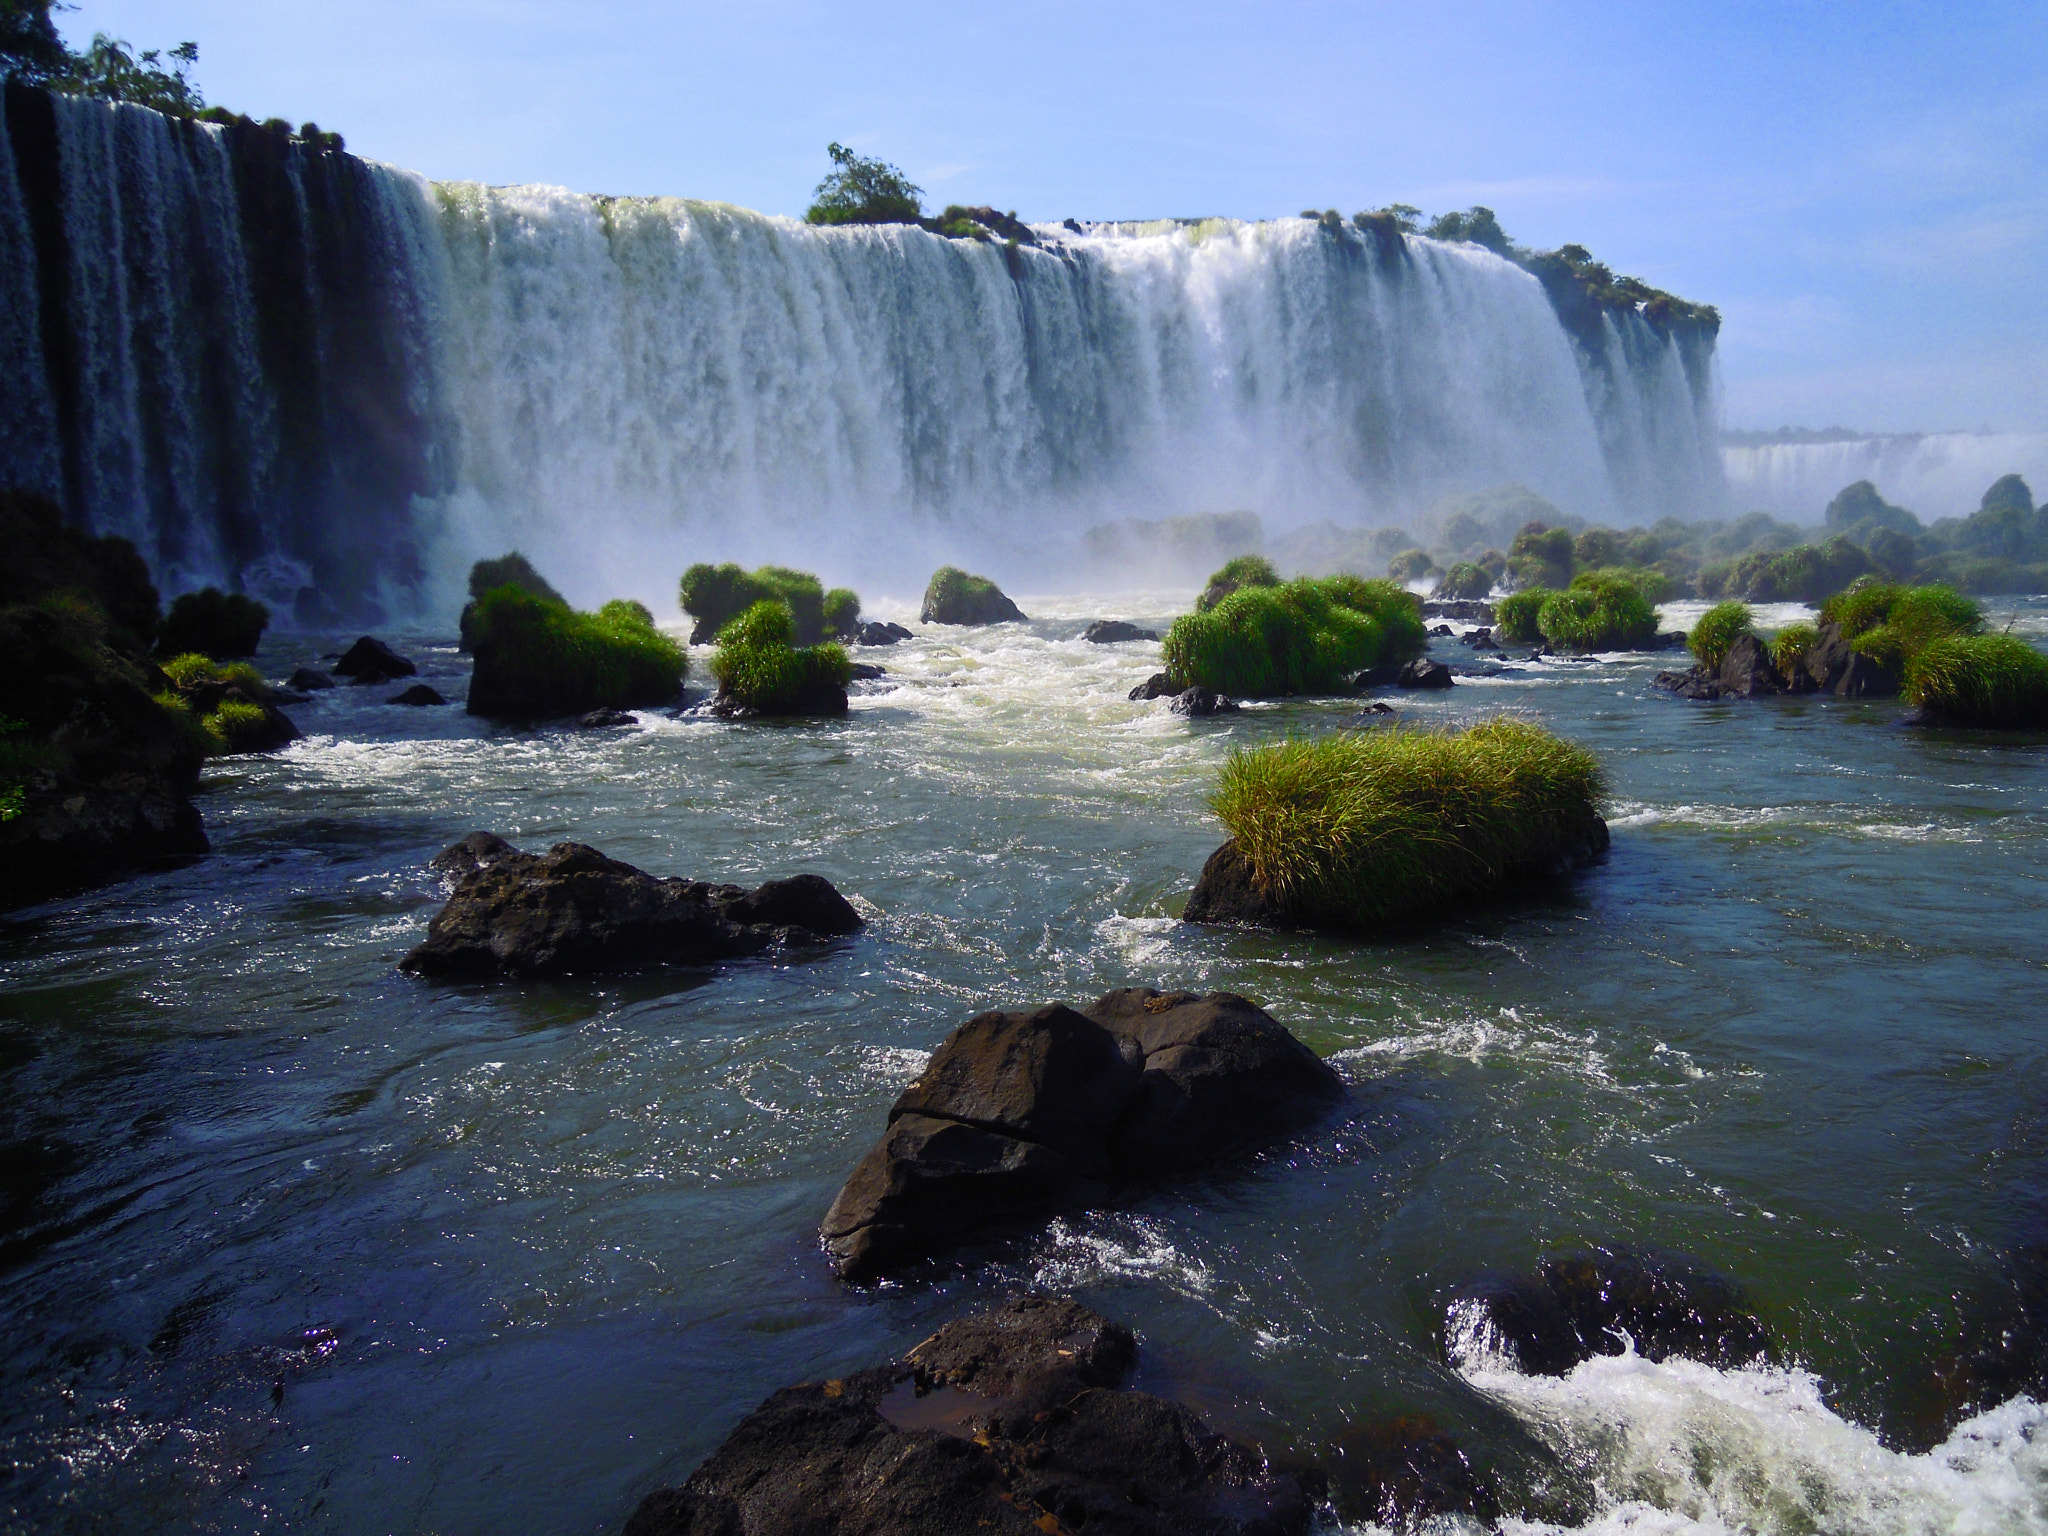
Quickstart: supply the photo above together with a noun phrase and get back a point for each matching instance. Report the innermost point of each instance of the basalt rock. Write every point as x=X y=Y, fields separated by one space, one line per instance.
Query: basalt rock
x=370 y=660
x=309 y=680
x=1748 y=671
x=1115 y=632
x=1693 y=683
x=868 y=672
x=419 y=694
x=471 y=854
x=1834 y=666
x=1157 y=686
x=1397 y=1472
x=572 y=909
x=606 y=719
x=1480 y=639
x=955 y=597
x=1012 y=1422
x=1423 y=673
x=1199 y=703
x=1602 y=1302
x=1019 y=1115
x=881 y=632
x=70 y=834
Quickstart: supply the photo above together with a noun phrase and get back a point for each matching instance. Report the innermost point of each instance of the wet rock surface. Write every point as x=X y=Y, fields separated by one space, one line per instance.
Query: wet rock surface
x=309 y=680
x=881 y=632
x=1021 y=1114
x=814 y=699
x=1423 y=673
x=572 y=909
x=1115 y=632
x=606 y=719
x=1010 y=1421
x=1157 y=686
x=370 y=660
x=419 y=695
x=1395 y=1472
x=1199 y=703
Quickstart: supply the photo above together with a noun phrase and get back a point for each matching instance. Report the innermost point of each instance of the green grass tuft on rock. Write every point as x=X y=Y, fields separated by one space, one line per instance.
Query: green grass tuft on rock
x=238 y=726
x=1892 y=624
x=1654 y=586
x=625 y=610
x=1990 y=680
x=842 y=613
x=1465 y=581
x=1597 y=613
x=1304 y=636
x=1358 y=828
x=760 y=670
x=1790 y=645
x=1515 y=616
x=511 y=570
x=715 y=595
x=1234 y=575
x=536 y=659
x=1718 y=629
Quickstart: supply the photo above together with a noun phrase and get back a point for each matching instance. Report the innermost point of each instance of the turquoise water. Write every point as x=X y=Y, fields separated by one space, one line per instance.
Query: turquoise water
x=293 y=1241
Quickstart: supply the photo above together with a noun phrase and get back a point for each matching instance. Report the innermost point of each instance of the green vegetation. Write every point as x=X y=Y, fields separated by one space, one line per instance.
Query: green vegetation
x=193 y=669
x=213 y=623
x=1990 y=680
x=1597 y=613
x=1806 y=573
x=1465 y=581
x=842 y=613
x=239 y=726
x=862 y=191
x=1718 y=629
x=761 y=671
x=625 y=610
x=1411 y=565
x=32 y=52
x=1790 y=645
x=954 y=596
x=511 y=570
x=1652 y=584
x=536 y=659
x=1891 y=623
x=1358 y=828
x=1305 y=636
x=1515 y=616
x=715 y=595
x=1236 y=573
x=1541 y=557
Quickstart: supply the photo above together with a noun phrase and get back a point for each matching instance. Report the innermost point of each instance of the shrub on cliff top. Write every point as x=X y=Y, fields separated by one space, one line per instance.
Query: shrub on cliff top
x=1304 y=636
x=213 y=623
x=862 y=191
x=1718 y=629
x=1600 y=614
x=536 y=659
x=760 y=671
x=1990 y=680
x=1514 y=616
x=1357 y=828
x=1235 y=574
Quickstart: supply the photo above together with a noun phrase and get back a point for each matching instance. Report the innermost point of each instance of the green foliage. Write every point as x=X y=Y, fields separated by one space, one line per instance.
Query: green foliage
x=1911 y=619
x=1861 y=605
x=1299 y=637
x=2008 y=493
x=1236 y=573
x=111 y=69
x=213 y=623
x=842 y=613
x=1358 y=828
x=1992 y=680
x=1718 y=629
x=1541 y=557
x=1411 y=565
x=510 y=570
x=1515 y=616
x=760 y=669
x=626 y=611
x=1790 y=645
x=238 y=726
x=1862 y=506
x=1652 y=583
x=954 y=596
x=31 y=50
x=1464 y=581
x=193 y=668
x=862 y=191
x=20 y=755
x=715 y=595
x=536 y=659
x=1805 y=573
x=1598 y=614
x=1477 y=226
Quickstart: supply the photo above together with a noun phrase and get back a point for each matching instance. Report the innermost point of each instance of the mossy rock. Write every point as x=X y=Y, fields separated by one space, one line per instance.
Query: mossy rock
x=761 y=672
x=537 y=660
x=955 y=597
x=508 y=570
x=1301 y=637
x=222 y=625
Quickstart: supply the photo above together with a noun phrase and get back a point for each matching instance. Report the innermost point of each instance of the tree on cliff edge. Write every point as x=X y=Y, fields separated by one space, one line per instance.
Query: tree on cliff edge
x=863 y=191
x=112 y=69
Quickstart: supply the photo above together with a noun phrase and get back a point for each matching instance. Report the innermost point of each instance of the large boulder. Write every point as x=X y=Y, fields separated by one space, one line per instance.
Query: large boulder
x=1423 y=673
x=955 y=597
x=1115 y=632
x=573 y=909
x=881 y=632
x=1834 y=666
x=1021 y=1114
x=1199 y=703
x=370 y=660
x=1747 y=671
x=1159 y=685
x=1013 y=1422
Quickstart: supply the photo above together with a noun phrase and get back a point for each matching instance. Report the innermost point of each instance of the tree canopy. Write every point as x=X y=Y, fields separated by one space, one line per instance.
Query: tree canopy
x=863 y=191
x=110 y=69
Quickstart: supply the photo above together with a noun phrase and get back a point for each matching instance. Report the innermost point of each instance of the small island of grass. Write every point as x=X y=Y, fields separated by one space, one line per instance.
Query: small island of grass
x=1300 y=637
x=761 y=671
x=1996 y=681
x=537 y=659
x=715 y=595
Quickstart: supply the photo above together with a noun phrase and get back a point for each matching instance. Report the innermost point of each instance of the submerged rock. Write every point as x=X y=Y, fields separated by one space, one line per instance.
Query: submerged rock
x=606 y=719
x=881 y=632
x=1397 y=1472
x=1423 y=673
x=1013 y=1422
x=573 y=909
x=868 y=672
x=1115 y=632
x=1602 y=1302
x=370 y=660
x=1018 y=1115
x=419 y=694
x=1199 y=703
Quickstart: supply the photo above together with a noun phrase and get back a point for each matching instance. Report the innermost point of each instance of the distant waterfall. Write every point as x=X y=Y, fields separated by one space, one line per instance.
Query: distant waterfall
x=1934 y=474
x=285 y=368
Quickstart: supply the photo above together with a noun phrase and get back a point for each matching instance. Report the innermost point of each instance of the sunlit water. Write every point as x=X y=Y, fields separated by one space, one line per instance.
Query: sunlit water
x=293 y=1241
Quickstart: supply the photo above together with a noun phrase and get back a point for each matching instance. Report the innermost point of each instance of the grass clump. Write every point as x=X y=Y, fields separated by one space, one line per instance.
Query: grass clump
x=1234 y=575
x=954 y=596
x=1515 y=616
x=842 y=613
x=715 y=595
x=1465 y=581
x=536 y=659
x=760 y=670
x=193 y=670
x=1358 y=828
x=1790 y=645
x=1653 y=584
x=1992 y=680
x=1304 y=636
x=238 y=726
x=213 y=623
x=1718 y=629
x=511 y=570
x=1892 y=624
x=1597 y=613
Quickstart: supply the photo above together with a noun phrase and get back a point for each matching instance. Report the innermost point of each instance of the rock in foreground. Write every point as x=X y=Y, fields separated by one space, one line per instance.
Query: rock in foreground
x=1012 y=1422
x=573 y=909
x=1018 y=1115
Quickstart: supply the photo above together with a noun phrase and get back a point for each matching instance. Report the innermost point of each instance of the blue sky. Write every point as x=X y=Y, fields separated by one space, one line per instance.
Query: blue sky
x=1862 y=189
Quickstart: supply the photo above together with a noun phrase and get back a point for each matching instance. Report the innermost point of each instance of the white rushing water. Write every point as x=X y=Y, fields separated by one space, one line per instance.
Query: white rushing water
x=1934 y=474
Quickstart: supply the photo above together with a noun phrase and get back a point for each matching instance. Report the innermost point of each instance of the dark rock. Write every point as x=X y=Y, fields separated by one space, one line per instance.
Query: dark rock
x=573 y=909
x=1115 y=631
x=954 y=597
x=417 y=694
x=1157 y=686
x=1693 y=683
x=1423 y=673
x=308 y=680
x=471 y=854
x=1597 y=1303
x=370 y=660
x=1834 y=666
x=70 y=835
x=1670 y=640
x=1443 y=631
x=1226 y=893
x=1380 y=676
x=277 y=729
x=1480 y=639
x=1199 y=703
x=1464 y=610
x=881 y=632
x=605 y=719
x=817 y=698
x=868 y=672
x=1748 y=672
x=1399 y=1472
x=1012 y=1422
x=1018 y=1115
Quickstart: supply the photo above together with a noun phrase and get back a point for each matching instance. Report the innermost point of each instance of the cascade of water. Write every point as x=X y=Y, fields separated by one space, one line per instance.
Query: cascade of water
x=1935 y=474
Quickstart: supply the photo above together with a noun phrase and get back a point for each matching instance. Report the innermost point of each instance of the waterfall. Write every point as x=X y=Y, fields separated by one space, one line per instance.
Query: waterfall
x=1934 y=474
x=281 y=367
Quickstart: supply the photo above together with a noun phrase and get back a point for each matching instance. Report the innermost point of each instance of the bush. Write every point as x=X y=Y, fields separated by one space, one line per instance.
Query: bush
x=863 y=191
x=624 y=610
x=760 y=670
x=214 y=623
x=192 y=669
x=1601 y=615
x=511 y=570
x=954 y=596
x=1304 y=636
x=1891 y=624
x=1790 y=645
x=1541 y=557
x=238 y=726
x=842 y=613
x=1653 y=585
x=1464 y=582
x=1357 y=828
x=715 y=595
x=1992 y=680
x=1237 y=573
x=1411 y=565
x=1514 y=616
x=1718 y=629
x=536 y=659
